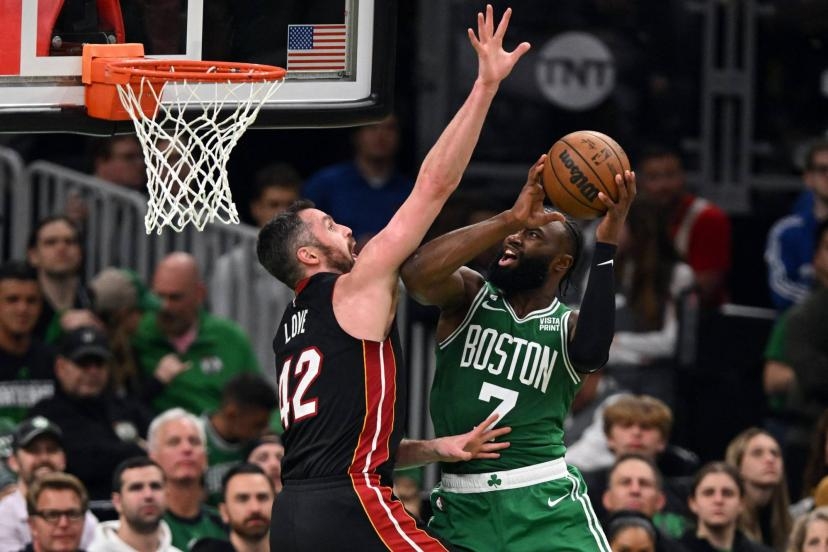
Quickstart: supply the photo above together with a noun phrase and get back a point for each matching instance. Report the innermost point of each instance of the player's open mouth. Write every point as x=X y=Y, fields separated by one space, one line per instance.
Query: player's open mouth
x=508 y=258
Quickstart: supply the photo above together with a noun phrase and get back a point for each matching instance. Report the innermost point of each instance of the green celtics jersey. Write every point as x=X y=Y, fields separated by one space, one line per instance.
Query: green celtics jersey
x=517 y=367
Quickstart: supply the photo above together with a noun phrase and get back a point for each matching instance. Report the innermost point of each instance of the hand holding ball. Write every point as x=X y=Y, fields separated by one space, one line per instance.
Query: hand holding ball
x=580 y=165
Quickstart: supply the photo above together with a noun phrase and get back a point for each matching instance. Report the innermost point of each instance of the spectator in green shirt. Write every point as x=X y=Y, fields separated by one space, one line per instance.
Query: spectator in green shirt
x=176 y=442
x=190 y=354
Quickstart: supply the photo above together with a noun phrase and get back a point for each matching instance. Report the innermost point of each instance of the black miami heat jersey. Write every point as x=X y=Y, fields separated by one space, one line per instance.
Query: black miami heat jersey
x=341 y=400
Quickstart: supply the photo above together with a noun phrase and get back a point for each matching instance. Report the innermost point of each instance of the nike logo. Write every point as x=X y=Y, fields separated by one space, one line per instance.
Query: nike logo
x=553 y=503
x=609 y=262
x=487 y=306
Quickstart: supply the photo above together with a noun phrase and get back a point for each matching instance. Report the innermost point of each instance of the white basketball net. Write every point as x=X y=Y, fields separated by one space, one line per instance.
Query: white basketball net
x=186 y=158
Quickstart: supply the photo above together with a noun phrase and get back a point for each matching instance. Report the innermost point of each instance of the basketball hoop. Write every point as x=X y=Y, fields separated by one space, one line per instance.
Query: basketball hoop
x=187 y=141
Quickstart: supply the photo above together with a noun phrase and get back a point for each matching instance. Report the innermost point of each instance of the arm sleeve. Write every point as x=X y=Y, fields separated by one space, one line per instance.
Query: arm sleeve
x=589 y=349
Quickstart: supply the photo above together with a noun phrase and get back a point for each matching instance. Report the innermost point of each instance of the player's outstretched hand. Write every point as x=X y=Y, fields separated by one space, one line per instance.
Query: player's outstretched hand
x=494 y=63
x=528 y=208
x=609 y=229
x=477 y=443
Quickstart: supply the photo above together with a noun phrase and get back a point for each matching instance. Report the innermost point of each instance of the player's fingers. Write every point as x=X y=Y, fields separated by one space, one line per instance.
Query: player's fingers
x=521 y=49
x=483 y=427
x=633 y=183
x=490 y=447
x=495 y=433
x=473 y=39
x=606 y=200
x=504 y=24
x=487 y=455
x=489 y=21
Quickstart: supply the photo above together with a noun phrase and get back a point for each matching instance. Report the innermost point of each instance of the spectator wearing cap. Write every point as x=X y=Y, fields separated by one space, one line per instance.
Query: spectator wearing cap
x=26 y=363
x=192 y=353
x=100 y=428
x=247 y=403
x=37 y=446
x=57 y=504
x=119 y=300
x=138 y=495
x=267 y=453
x=247 y=500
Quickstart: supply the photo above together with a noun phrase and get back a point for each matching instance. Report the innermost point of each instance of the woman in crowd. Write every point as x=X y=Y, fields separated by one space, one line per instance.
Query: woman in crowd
x=629 y=531
x=810 y=534
x=758 y=458
x=717 y=498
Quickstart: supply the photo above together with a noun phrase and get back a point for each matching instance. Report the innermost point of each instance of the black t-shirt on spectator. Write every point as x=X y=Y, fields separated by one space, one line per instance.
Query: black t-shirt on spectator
x=25 y=379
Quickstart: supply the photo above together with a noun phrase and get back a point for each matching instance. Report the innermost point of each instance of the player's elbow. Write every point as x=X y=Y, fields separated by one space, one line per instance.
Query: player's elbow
x=588 y=361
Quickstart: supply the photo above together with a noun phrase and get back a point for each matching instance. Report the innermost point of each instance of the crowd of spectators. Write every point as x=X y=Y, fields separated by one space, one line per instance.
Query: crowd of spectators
x=140 y=415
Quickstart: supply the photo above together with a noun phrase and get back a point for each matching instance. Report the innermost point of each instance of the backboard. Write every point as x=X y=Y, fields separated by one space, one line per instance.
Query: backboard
x=339 y=55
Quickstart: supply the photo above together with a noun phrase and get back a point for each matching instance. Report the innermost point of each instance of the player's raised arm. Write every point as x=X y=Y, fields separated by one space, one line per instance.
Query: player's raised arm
x=440 y=173
x=434 y=274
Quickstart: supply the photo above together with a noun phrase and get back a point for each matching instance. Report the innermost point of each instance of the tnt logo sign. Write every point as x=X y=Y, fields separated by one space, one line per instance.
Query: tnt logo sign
x=575 y=71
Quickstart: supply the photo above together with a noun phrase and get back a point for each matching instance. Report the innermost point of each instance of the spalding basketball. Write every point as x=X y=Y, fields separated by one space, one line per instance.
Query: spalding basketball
x=580 y=165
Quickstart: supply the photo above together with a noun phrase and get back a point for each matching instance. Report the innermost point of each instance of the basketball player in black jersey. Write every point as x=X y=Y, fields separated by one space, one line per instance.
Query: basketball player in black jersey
x=342 y=385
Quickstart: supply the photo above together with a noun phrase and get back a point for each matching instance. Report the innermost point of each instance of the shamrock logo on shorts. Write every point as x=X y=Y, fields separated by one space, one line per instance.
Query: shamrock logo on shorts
x=494 y=481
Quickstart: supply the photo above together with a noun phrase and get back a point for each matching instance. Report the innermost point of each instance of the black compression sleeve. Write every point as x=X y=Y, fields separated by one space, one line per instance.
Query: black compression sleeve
x=589 y=349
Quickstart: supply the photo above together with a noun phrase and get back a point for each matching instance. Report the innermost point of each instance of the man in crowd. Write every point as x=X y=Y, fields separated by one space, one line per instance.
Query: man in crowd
x=790 y=244
x=37 y=452
x=56 y=505
x=247 y=499
x=100 y=429
x=138 y=496
x=189 y=353
x=176 y=442
x=699 y=229
x=119 y=160
x=54 y=249
x=634 y=483
x=26 y=363
x=247 y=403
x=277 y=186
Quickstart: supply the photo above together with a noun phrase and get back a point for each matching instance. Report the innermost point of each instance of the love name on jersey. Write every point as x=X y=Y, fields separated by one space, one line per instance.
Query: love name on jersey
x=297 y=325
x=493 y=351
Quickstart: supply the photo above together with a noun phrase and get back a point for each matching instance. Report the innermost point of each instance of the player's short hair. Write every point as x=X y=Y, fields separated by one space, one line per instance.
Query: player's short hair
x=276 y=175
x=659 y=479
x=279 y=240
x=575 y=241
x=58 y=481
x=18 y=270
x=643 y=410
x=131 y=464
x=249 y=390
x=241 y=469
x=42 y=223
x=815 y=148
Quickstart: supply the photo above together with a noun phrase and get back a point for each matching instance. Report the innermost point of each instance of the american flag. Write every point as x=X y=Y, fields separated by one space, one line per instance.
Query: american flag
x=316 y=47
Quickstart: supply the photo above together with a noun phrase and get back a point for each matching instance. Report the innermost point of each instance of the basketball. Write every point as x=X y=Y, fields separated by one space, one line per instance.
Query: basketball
x=580 y=165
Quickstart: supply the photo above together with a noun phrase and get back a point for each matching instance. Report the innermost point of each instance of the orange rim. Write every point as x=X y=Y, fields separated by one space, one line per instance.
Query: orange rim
x=193 y=70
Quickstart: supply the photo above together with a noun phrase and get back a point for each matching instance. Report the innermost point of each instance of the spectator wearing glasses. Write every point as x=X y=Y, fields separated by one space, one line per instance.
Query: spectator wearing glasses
x=37 y=446
x=790 y=244
x=56 y=504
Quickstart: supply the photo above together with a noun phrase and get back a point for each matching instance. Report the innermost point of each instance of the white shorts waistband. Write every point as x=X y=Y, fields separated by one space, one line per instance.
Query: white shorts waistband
x=502 y=480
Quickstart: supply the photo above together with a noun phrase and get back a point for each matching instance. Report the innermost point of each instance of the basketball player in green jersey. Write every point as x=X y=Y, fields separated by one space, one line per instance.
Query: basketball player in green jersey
x=506 y=345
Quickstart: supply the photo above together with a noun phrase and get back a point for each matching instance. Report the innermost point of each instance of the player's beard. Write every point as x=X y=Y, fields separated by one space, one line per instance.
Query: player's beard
x=529 y=273
x=336 y=260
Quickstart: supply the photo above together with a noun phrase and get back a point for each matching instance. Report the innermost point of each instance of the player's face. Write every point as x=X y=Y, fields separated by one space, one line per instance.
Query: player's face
x=142 y=501
x=717 y=502
x=247 y=504
x=627 y=437
x=632 y=539
x=816 y=175
x=274 y=200
x=20 y=305
x=41 y=456
x=527 y=257
x=268 y=456
x=57 y=250
x=762 y=461
x=633 y=486
x=180 y=451
x=334 y=241
x=661 y=178
x=816 y=536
